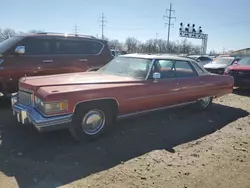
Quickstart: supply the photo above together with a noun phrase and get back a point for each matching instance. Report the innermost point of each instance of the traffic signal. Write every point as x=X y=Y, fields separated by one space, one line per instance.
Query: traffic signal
x=200 y=30
x=181 y=26
x=193 y=28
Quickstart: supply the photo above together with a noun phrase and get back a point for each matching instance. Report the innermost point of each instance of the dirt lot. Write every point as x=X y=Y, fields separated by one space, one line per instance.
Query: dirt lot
x=183 y=147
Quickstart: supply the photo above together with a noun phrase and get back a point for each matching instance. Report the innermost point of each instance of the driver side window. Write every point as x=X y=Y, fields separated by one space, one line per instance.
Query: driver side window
x=165 y=68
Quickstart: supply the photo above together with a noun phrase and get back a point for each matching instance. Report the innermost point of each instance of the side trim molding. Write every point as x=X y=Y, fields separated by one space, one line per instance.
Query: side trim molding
x=156 y=109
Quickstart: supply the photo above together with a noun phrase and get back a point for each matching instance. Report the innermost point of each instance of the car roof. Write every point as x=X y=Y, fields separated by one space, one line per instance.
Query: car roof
x=157 y=56
x=58 y=35
x=225 y=57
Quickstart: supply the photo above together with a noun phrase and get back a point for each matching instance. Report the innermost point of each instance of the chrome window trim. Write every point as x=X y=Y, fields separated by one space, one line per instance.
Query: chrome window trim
x=150 y=68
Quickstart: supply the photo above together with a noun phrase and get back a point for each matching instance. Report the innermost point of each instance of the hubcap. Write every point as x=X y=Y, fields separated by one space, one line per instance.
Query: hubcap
x=93 y=122
x=205 y=101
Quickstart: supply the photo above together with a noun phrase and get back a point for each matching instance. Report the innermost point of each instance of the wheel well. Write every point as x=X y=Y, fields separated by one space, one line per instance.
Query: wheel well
x=110 y=102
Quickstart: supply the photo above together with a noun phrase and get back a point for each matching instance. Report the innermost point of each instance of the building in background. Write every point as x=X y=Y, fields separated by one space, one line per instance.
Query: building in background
x=245 y=51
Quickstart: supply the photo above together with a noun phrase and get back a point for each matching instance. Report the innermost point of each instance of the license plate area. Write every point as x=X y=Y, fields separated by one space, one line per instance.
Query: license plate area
x=21 y=117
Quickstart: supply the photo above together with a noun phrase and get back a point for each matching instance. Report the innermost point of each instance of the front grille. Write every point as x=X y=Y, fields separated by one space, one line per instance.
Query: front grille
x=216 y=71
x=242 y=74
x=25 y=97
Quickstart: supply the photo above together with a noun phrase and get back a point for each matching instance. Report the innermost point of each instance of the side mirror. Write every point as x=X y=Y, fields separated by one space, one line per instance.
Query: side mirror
x=156 y=76
x=20 y=50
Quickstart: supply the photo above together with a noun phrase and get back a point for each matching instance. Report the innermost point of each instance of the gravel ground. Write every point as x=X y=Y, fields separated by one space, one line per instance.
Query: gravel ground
x=183 y=148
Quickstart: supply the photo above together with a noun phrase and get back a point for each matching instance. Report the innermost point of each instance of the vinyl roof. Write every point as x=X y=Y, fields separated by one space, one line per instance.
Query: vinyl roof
x=156 y=56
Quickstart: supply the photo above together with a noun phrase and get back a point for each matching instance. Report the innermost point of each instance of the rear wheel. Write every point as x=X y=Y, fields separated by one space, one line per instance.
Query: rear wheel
x=205 y=102
x=91 y=121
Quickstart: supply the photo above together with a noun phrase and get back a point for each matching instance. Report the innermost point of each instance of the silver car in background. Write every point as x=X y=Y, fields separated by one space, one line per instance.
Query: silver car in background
x=219 y=65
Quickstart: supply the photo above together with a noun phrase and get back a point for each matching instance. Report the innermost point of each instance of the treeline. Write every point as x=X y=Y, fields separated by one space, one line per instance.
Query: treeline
x=8 y=32
x=132 y=45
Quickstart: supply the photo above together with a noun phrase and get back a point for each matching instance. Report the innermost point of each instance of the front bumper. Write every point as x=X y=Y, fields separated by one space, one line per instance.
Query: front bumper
x=30 y=115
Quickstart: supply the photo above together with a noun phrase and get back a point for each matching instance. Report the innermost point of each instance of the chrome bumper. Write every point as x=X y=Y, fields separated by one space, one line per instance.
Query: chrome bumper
x=28 y=114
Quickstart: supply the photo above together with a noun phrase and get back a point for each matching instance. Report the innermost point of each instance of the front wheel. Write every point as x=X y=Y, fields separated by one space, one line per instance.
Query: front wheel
x=91 y=122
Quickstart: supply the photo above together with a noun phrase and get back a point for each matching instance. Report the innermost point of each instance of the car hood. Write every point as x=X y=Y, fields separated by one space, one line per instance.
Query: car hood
x=88 y=78
x=215 y=66
x=240 y=67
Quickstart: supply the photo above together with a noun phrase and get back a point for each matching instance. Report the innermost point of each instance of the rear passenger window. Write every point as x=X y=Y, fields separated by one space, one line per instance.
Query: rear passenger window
x=67 y=46
x=197 y=68
x=183 y=69
x=37 y=46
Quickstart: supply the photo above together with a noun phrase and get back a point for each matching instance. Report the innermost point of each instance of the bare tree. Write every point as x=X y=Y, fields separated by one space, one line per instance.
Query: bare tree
x=116 y=44
x=35 y=31
x=7 y=33
x=131 y=44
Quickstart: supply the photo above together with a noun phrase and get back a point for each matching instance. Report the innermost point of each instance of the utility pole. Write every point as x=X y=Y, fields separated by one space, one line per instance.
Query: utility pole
x=103 y=20
x=76 y=29
x=169 y=18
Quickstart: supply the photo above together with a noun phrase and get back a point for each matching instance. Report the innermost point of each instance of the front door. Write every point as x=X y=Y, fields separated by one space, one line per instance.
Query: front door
x=36 y=61
x=151 y=95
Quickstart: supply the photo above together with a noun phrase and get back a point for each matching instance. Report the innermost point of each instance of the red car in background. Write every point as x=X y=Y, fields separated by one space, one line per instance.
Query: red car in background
x=240 y=72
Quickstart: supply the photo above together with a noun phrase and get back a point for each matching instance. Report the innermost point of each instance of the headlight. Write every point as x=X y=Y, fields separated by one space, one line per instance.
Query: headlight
x=49 y=107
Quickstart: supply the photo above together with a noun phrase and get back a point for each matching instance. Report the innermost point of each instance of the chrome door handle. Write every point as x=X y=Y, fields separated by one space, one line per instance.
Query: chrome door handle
x=83 y=60
x=48 y=61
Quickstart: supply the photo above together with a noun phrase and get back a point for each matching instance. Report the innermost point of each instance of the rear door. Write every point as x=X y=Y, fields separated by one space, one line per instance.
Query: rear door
x=190 y=84
x=36 y=61
x=77 y=54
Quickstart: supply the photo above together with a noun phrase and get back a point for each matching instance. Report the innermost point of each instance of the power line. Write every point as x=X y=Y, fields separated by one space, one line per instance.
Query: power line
x=76 y=29
x=103 y=21
x=169 y=18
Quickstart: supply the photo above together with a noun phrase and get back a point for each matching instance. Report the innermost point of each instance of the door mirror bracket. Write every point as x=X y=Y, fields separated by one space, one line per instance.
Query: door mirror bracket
x=156 y=76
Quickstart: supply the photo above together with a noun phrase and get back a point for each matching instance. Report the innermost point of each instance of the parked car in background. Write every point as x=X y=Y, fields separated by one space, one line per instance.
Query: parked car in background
x=219 y=65
x=116 y=53
x=240 y=72
x=201 y=59
x=48 y=53
x=88 y=103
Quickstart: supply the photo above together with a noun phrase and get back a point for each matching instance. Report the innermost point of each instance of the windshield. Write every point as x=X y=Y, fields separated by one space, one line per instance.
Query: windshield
x=128 y=67
x=8 y=43
x=223 y=61
x=244 y=61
